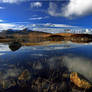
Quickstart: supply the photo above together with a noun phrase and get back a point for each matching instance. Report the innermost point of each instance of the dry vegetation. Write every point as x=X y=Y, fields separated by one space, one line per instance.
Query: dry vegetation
x=36 y=38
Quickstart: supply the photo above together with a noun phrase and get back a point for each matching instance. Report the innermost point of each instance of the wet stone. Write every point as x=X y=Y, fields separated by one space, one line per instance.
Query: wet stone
x=5 y=84
x=77 y=90
x=22 y=84
x=79 y=81
x=64 y=87
x=25 y=75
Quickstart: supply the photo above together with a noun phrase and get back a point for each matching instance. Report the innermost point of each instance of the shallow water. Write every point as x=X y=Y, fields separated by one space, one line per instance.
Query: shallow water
x=69 y=56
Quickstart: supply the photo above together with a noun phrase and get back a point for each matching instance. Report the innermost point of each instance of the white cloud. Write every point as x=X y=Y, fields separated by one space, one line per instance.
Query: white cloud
x=54 y=25
x=1 y=20
x=2 y=7
x=36 y=4
x=73 y=8
x=80 y=64
x=52 y=10
x=4 y=26
x=50 y=30
x=39 y=18
x=48 y=27
x=78 y=8
x=12 y=1
x=59 y=25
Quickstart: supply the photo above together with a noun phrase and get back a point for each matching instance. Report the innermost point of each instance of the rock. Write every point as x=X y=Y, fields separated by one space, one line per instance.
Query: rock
x=65 y=75
x=7 y=83
x=14 y=46
x=55 y=38
x=64 y=87
x=81 y=83
x=25 y=75
x=77 y=90
x=22 y=84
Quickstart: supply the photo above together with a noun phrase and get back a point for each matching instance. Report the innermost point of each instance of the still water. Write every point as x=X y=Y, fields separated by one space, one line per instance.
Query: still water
x=71 y=57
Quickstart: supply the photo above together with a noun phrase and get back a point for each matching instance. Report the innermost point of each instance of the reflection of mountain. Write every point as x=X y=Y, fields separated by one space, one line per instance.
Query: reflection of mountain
x=55 y=38
x=79 y=38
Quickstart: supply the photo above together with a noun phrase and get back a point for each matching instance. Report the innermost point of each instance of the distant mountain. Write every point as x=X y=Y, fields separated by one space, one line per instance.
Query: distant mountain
x=24 y=31
x=12 y=31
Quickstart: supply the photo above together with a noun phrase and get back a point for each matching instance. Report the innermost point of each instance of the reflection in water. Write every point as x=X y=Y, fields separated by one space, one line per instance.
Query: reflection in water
x=46 y=64
x=14 y=46
x=81 y=65
x=73 y=63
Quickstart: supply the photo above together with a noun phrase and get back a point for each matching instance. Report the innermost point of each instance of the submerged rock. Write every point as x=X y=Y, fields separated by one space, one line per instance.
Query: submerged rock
x=5 y=84
x=81 y=83
x=25 y=75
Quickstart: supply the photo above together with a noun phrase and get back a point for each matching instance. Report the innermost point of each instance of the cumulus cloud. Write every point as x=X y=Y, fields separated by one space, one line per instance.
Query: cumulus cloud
x=36 y=4
x=79 y=64
x=78 y=8
x=72 y=63
x=73 y=8
x=53 y=8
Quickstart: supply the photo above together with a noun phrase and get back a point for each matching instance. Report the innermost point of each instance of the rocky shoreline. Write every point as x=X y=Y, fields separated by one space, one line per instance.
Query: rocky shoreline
x=44 y=81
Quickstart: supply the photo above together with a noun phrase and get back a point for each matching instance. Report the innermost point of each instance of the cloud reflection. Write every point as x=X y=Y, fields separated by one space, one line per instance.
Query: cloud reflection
x=81 y=65
x=4 y=48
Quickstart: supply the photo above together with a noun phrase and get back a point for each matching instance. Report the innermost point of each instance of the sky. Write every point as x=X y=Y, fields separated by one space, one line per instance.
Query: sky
x=19 y=14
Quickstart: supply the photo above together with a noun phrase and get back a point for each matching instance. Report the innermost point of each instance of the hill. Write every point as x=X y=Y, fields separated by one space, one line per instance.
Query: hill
x=26 y=36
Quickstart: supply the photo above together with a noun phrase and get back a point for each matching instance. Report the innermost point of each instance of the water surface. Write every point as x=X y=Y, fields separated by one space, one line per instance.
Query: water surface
x=71 y=57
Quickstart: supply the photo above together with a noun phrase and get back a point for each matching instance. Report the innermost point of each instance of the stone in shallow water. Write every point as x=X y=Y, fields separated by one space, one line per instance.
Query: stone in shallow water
x=7 y=83
x=25 y=75
x=14 y=46
x=81 y=83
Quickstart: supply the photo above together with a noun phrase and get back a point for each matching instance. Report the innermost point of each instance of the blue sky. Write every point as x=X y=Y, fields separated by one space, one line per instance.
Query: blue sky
x=45 y=13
